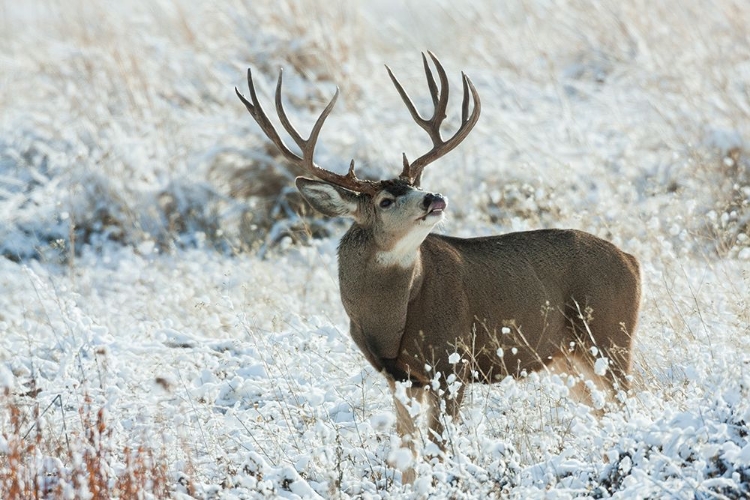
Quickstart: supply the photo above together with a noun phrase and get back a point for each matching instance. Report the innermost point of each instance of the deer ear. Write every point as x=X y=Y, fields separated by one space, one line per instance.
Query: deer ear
x=328 y=199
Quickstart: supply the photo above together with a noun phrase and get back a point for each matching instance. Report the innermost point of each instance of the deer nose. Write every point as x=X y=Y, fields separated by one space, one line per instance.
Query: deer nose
x=433 y=200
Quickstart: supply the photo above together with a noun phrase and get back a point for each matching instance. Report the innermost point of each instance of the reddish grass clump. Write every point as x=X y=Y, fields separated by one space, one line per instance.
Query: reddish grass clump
x=89 y=463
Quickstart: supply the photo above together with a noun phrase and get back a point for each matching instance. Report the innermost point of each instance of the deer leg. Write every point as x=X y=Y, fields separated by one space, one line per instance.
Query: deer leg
x=584 y=364
x=617 y=348
x=620 y=362
x=596 y=338
x=406 y=424
x=452 y=401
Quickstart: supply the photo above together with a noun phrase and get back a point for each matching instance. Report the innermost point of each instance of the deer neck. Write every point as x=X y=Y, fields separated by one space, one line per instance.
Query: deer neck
x=376 y=294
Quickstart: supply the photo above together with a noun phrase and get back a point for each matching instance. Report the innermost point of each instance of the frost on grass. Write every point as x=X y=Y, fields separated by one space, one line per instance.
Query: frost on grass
x=130 y=175
x=601 y=365
x=249 y=400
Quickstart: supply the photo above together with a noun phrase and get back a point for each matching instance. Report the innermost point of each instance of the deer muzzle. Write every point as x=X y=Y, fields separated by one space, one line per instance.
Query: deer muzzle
x=434 y=204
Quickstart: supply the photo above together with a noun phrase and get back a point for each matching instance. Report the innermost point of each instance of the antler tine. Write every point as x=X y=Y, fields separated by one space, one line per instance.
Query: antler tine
x=256 y=111
x=465 y=102
x=405 y=97
x=282 y=114
x=430 y=81
x=441 y=104
x=413 y=172
x=348 y=181
x=405 y=172
x=306 y=145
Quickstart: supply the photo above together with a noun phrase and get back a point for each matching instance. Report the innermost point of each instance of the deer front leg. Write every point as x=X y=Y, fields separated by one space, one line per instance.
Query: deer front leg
x=406 y=423
x=450 y=400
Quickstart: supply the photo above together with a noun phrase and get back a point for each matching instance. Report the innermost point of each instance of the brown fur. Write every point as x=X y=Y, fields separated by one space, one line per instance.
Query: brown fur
x=556 y=292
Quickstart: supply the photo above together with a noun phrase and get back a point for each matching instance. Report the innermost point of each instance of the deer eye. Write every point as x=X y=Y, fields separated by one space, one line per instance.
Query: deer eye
x=386 y=203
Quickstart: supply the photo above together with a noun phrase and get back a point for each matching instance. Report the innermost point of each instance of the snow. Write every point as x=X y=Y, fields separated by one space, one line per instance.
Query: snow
x=600 y=366
x=401 y=458
x=135 y=279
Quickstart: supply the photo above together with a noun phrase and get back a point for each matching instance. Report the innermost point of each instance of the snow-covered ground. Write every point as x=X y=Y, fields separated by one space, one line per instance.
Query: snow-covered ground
x=152 y=268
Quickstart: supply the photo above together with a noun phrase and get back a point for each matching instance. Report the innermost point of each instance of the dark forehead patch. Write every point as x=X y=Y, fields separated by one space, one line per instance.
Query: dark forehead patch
x=397 y=187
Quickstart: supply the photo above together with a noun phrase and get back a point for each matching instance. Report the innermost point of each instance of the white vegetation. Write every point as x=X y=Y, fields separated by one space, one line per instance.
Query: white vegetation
x=122 y=279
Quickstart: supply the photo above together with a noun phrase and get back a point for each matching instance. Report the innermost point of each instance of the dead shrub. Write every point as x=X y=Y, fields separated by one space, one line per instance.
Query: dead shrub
x=89 y=463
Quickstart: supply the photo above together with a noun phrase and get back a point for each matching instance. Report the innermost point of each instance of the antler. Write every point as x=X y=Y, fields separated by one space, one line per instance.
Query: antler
x=307 y=146
x=412 y=173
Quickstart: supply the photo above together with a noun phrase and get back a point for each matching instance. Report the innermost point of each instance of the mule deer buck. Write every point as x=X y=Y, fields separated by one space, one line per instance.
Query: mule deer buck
x=509 y=304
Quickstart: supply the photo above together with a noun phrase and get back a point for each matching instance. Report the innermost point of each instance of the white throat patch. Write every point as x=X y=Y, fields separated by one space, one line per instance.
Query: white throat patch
x=406 y=250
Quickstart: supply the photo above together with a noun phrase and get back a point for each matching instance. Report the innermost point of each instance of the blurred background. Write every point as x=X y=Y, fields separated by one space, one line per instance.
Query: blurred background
x=119 y=123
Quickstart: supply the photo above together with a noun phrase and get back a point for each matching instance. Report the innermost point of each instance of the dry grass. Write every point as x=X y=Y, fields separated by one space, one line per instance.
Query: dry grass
x=88 y=463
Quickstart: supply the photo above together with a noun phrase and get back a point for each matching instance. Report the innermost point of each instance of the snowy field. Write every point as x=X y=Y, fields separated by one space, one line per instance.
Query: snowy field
x=162 y=303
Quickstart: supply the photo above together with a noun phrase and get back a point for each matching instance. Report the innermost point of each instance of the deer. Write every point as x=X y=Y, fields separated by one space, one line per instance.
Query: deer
x=508 y=305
